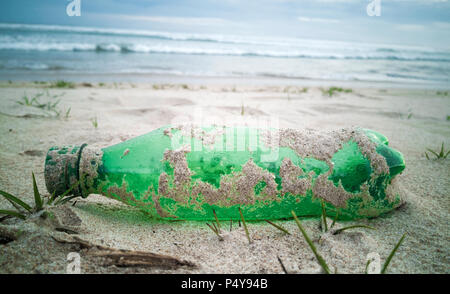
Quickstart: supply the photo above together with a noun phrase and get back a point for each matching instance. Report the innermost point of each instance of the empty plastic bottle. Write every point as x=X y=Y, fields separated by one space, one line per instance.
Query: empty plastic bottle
x=186 y=172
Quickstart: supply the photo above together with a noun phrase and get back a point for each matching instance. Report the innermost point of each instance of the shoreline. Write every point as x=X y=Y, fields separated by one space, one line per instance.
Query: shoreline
x=212 y=80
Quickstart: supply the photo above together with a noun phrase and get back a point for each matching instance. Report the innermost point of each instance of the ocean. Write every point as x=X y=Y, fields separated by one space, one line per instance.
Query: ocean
x=42 y=52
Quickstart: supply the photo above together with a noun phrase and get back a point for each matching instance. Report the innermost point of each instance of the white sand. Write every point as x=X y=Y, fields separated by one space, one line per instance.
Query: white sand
x=413 y=120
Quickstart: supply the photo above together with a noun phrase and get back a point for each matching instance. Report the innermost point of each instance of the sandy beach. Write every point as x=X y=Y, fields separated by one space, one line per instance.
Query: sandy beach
x=105 y=114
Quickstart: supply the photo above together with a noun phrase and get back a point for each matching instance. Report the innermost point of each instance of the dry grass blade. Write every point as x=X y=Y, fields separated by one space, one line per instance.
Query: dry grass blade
x=282 y=265
x=245 y=226
x=214 y=229
x=16 y=200
x=320 y=259
x=217 y=221
x=352 y=227
x=388 y=260
x=37 y=196
x=324 y=217
x=278 y=227
x=12 y=213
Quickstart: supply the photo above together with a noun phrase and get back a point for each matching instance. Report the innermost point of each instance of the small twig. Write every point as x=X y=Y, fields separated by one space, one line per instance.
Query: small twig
x=66 y=230
x=127 y=258
x=245 y=226
x=282 y=265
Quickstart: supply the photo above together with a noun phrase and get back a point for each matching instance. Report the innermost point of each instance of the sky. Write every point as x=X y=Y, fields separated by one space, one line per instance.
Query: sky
x=409 y=22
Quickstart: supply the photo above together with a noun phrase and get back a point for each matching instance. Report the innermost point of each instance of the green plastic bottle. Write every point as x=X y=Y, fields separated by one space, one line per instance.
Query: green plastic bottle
x=186 y=172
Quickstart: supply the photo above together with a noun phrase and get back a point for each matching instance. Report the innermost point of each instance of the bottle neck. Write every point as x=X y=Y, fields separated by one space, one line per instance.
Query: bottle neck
x=90 y=166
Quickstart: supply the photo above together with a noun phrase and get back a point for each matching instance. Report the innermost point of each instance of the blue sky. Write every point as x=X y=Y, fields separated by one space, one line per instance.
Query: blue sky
x=416 y=22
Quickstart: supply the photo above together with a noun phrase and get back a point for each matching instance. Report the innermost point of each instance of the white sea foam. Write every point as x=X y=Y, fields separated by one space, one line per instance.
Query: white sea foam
x=80 y=49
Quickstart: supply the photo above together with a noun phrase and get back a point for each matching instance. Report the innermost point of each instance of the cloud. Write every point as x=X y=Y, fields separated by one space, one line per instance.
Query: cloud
x=321 y=20
x=197 y=21
x=442 y=25
x=410 y=27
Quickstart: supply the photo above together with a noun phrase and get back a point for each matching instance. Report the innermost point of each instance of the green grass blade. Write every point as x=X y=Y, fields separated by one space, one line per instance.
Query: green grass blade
x=16 y=200
x=388 y=260
x=12 y=213
x=437 y=155
x=217 y=221
x=37 y=196
x=16 y=206
x=245 y=226
x=324 y=217
x=61 y=197
x=51 y=198
x=353 y=227
x=67 y=199
x=441 y=154
x=367 y=266
x=319 y=258
x=278 y=227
